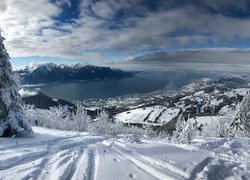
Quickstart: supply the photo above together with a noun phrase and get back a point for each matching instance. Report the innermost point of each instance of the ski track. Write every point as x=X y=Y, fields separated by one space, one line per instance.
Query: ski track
x=154 y=168
x=80 y=157
x=85 y=168
x=57 y=160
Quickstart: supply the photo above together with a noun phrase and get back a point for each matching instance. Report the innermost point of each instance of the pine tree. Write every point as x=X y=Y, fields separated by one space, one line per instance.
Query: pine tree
x=12 y=120
x=179 y=127
x=241 y=121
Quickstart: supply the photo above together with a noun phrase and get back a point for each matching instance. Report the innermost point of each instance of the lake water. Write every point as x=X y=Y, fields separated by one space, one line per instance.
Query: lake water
x=143 y=83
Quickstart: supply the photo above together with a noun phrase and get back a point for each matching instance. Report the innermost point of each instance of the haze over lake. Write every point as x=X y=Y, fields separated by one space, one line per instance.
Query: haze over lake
x=142 y=83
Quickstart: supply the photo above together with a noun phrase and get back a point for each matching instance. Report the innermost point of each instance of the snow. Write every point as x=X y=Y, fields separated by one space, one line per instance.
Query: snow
x=134 y=116
x=168 y=115
x=216 y=102
x=224 y=110
x=239 y=91
x=154 y=115
x=55 y=154
x=205 y=120
x=199 y=93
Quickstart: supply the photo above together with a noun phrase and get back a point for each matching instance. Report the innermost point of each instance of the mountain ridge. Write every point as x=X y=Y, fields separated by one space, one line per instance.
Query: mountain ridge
x=53 y=73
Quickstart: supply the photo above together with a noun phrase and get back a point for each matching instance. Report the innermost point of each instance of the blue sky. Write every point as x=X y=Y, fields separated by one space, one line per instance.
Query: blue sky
x=91 y=31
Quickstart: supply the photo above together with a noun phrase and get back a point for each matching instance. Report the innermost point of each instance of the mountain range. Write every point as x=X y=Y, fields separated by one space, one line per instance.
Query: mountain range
x=53 y=73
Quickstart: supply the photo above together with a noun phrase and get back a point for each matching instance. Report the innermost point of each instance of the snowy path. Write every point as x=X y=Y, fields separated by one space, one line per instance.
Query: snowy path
x=53 y=154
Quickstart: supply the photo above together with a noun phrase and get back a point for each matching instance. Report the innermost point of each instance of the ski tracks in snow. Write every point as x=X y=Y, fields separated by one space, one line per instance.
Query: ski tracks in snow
x=79 y=156
x=156 y=168
x=58 y=158
x=86 y=167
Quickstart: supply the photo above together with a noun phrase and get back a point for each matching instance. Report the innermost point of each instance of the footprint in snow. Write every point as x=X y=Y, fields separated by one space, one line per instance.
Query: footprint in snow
x=131 y=175
x=117 y=160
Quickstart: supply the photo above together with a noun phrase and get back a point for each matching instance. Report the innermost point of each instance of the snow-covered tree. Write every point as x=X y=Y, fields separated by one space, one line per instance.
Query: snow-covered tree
x=179 y=126
x=55 y=118
x=101 y=124
x=81 y=118
x=58 y=118
x=222 y=125
x=189 y=132
x=185 y=131
x=12 y=120
x=241 y=122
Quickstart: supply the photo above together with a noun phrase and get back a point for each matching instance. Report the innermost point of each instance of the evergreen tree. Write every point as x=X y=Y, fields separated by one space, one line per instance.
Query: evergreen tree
x=12 y=120
x=241 y=121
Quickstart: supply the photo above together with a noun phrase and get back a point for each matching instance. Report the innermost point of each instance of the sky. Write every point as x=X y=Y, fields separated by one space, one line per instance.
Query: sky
x=99 y=31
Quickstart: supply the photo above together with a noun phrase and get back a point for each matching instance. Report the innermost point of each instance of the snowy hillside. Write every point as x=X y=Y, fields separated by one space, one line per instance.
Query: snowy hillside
x=53 y=154
x=204 y=102
x=201 y=101
x=155 y=115
x=163 y=144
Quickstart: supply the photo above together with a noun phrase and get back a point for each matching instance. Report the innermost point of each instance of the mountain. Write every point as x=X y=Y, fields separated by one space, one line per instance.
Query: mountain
x=53 y=73
x=42 y=101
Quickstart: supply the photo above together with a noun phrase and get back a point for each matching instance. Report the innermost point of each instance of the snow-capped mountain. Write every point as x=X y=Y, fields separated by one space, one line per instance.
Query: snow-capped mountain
x=53 y=73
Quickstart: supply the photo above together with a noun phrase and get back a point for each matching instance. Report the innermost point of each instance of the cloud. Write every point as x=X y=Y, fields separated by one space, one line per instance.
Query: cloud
x=61 y=3
x=203 y=60
x=36 y=28
x=27 y=93
x=207 y=55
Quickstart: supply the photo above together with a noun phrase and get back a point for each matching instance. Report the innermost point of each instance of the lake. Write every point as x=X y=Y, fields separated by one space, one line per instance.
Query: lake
x=143 y=82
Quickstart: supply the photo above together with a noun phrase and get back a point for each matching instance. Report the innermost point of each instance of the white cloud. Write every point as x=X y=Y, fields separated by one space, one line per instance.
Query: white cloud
x=31 y=30
x=63 y=2
x=26 y=93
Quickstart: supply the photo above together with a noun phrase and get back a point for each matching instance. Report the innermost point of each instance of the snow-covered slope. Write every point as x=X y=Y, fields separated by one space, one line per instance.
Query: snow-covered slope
x=201 y=105
x=53 y=154
x=201 y=101
x=154 y=115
